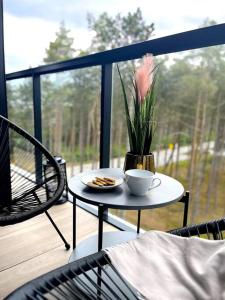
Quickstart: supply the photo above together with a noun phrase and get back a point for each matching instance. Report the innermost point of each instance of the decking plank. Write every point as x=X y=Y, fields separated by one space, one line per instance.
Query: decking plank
x=32 y=248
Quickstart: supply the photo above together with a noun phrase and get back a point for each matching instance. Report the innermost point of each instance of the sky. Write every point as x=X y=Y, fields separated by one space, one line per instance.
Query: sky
x=30 y=25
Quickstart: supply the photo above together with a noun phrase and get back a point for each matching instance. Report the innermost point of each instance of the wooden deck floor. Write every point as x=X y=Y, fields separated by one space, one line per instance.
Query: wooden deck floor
x=32 y=248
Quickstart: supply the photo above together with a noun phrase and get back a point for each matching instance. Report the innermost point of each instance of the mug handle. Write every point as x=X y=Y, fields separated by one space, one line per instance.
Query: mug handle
x=152 y=187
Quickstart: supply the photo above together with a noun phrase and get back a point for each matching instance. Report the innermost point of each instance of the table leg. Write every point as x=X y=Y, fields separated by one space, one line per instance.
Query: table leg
x=74 y=222
x=186 y=204
x=139 y=221
x=100 y=226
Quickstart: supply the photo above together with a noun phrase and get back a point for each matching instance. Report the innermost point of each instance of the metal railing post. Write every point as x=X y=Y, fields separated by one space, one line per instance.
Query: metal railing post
x=106 y=104
x=37 y=123
x=5 y=173
x=3 y=96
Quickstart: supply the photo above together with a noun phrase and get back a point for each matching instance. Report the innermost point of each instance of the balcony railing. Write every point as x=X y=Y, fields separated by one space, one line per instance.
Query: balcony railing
x=195 y=39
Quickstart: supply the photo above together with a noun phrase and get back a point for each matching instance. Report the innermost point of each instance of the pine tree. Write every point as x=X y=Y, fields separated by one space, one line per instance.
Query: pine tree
x=119 y=31
x=62 y=48
x=56 y=92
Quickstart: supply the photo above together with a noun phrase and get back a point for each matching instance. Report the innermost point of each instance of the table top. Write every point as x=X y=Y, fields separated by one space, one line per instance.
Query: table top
x=169 y=191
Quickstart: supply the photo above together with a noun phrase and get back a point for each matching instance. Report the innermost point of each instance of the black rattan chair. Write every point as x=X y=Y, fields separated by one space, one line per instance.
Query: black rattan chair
x=94 y=277
x=25 y=191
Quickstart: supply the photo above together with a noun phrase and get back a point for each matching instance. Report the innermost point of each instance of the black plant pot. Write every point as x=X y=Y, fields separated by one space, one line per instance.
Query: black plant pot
x=135 y=161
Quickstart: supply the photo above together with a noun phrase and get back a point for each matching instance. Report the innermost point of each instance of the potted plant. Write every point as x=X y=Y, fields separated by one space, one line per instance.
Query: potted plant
x=140 y=115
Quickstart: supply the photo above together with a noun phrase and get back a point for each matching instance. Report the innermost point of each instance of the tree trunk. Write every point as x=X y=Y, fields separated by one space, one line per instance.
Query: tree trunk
x=94 y=130
x=217 y=156
x=194 y=154
x=88 y=136
x=157 y=162
x=72 y=142
x=81 y=139
x=200 y=164
x=206 y=157
x=166 y=150
x=176 y=174
x=119 y=143
x=58 y=128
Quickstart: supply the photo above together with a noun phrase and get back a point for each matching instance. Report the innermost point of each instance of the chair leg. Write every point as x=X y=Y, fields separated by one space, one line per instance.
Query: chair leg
x=58 y=231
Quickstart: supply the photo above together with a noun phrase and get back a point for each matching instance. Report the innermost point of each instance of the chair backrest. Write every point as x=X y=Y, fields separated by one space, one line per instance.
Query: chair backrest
x=30 y=179
x=211 y=230
x=94 y=277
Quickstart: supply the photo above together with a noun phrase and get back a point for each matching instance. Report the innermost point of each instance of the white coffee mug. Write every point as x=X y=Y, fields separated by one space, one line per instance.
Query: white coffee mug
x=141 y=181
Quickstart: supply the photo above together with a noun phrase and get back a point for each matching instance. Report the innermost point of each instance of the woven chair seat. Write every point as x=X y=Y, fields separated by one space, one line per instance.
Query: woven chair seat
x=94 y=277
x=27 y=187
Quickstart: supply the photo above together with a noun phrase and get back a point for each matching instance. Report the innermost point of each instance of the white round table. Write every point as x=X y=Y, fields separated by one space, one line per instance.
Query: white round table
x=169 y=191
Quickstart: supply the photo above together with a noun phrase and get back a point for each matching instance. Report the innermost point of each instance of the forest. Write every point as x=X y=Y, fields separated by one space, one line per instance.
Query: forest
x=189 y=141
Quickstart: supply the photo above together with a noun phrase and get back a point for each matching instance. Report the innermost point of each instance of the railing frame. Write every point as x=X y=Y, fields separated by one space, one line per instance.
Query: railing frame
x=5 y=179
x=194 y=39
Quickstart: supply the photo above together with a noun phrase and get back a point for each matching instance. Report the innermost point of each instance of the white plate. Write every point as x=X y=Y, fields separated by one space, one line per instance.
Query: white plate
x=87 y=180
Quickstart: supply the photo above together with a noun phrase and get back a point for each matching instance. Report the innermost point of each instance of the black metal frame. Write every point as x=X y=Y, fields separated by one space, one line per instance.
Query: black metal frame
x=194 y=39
x=102 y=214
x=18 y=215
x=94 y=277
x=3 y=97
x=37 y=119
x=5 y=189
x=184 y=200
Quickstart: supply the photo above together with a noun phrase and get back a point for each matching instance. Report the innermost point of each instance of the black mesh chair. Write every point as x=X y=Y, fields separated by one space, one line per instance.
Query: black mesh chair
x=94 y=277
x=25 y=190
